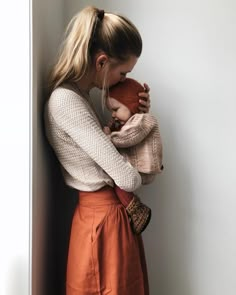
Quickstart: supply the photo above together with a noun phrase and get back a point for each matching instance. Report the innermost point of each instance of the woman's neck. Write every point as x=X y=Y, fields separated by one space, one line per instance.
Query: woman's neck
x=86 y=83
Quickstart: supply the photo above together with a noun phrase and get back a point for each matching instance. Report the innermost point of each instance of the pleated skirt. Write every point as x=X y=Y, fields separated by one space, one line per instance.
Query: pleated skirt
x=105 y=257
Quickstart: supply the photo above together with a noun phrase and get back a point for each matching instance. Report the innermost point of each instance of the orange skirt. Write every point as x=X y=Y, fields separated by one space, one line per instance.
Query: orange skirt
x=105 y=257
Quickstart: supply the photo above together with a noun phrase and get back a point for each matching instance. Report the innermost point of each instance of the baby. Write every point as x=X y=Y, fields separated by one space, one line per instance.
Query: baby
x=137 y=138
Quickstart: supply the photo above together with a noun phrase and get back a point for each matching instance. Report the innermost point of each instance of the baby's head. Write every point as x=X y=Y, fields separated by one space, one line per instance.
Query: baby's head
x=123 y=99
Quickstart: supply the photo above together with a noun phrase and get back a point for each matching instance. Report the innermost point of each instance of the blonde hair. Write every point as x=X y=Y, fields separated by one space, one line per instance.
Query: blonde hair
x=89 y=32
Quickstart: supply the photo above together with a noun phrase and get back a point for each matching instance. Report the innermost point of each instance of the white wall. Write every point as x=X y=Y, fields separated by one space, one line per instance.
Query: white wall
x=14 y=148
x=189 y=61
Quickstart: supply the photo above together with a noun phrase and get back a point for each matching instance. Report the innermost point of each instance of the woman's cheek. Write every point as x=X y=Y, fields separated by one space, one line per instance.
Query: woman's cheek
x=112 y=82
x=113 y=79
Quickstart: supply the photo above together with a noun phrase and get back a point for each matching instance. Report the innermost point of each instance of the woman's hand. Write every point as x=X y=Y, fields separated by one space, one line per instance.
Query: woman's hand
x=144 y=99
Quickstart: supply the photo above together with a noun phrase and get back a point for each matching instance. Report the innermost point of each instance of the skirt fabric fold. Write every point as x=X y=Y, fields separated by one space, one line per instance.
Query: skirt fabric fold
x=105 y=257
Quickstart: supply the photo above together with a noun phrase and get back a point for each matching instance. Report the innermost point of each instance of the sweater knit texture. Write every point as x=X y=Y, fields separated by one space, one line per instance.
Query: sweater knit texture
x=88 y=158
x=139 y=141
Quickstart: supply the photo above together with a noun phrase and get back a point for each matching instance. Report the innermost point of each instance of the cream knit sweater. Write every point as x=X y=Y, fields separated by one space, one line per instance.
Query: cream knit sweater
x=89 y=160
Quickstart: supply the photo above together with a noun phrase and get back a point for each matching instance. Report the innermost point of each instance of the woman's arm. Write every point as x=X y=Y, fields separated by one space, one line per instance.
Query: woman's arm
x=72 y=116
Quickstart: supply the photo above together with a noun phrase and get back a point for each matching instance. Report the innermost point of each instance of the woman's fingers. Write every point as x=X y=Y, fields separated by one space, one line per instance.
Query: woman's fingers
x=145 y=99
x=147 y=88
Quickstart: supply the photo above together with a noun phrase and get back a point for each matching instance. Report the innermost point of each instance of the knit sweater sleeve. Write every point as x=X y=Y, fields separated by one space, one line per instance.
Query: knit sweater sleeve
x=72 y=115
x=134 y=131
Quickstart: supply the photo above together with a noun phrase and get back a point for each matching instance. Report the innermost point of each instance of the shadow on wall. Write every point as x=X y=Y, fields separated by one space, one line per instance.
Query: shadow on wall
x=60 y=208
x=60 y=212
x=53 y=208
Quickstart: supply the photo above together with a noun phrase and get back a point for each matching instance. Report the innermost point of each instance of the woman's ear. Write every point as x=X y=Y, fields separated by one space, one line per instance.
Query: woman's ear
x=101 y=61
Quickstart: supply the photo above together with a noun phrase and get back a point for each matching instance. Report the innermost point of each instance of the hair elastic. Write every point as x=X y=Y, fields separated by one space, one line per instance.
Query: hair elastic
x=100 y=14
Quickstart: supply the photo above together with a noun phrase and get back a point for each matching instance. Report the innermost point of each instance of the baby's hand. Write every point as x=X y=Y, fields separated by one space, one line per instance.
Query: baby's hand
x=106 y=130
x=111 y=123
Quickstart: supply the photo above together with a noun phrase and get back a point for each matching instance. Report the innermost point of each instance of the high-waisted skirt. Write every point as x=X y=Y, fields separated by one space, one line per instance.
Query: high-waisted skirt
x=105 y=257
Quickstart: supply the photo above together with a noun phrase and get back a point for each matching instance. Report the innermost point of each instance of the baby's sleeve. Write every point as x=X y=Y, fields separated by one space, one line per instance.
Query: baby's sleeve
x=134 y=131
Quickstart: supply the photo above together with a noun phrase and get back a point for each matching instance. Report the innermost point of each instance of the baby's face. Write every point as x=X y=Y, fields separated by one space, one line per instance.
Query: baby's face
x=119 y=111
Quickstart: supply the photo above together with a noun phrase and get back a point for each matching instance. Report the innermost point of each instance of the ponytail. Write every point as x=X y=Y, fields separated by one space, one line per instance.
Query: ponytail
x=73 y=58
x=90 y=31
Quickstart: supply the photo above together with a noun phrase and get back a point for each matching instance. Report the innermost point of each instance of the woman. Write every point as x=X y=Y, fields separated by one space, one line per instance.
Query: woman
x=104 y=257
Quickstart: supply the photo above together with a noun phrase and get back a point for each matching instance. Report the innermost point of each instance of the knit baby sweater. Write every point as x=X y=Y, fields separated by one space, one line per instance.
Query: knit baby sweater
x=139 y=141
x=88 y=158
